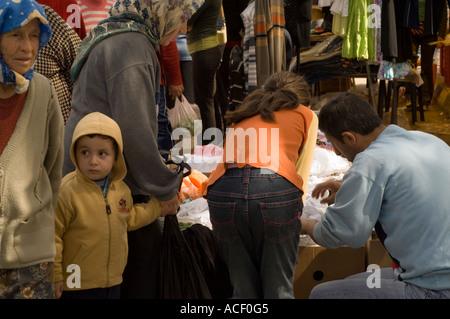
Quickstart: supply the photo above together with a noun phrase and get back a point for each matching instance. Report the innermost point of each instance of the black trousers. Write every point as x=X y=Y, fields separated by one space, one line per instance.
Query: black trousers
x=95 y=293
x=205 y=65
x=141 y=275
x=426 y=63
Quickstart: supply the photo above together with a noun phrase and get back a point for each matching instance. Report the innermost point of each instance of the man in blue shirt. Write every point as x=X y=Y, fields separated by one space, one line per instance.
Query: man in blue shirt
x=398 y=184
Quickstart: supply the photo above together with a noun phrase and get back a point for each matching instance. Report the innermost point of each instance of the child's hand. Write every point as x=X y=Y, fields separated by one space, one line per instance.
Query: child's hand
x=58 y=289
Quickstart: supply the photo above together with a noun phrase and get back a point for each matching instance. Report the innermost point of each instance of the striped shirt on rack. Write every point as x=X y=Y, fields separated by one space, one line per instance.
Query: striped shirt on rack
x=94 y=11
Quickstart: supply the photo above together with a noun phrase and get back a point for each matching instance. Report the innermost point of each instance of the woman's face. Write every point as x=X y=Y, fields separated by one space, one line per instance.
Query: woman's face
x=19 y=47
x=169 y=37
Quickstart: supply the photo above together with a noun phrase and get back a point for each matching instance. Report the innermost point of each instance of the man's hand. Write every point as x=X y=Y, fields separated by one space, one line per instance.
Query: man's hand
x=170 y=207
x=308 y=227
x=321 y=189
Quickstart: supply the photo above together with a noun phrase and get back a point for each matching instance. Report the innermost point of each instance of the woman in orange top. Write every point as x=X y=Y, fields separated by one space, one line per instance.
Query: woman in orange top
x=255 y=194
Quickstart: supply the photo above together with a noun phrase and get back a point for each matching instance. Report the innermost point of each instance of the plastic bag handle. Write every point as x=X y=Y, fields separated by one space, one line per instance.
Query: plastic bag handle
x=183 y=170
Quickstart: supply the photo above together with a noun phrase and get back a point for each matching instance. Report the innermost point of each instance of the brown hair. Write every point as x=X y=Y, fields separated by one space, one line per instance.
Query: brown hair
x=282 y=90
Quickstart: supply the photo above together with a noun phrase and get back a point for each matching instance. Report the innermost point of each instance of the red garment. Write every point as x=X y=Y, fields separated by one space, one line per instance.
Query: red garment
x=169 y=61
x=71 y=15
x=10 y=110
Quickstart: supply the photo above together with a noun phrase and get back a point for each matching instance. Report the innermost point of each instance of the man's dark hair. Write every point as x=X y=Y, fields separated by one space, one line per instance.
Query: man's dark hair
x=348 y=112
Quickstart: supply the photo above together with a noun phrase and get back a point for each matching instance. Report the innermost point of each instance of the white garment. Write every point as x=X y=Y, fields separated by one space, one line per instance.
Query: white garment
x=340 y=7
x=325 y=3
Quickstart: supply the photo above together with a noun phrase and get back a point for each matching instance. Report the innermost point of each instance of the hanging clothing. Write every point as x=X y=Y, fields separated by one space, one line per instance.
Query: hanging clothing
x=249 y=54
x=395 y=38
x=269 y=35
x=359 y=39
x=339 y=10
x=94 y=11
x=298 y=21
x=236 y=91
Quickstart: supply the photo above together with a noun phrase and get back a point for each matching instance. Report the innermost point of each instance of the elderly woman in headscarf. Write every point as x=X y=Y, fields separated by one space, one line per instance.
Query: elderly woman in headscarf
x=31 y=155
x=117 y=73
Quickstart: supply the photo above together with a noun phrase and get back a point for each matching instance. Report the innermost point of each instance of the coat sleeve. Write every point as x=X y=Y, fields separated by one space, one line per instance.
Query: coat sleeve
x=132 y=86
x=170 y=64
x=144 y=214
x=351 y=220
x=62 y=220
x=55 y=152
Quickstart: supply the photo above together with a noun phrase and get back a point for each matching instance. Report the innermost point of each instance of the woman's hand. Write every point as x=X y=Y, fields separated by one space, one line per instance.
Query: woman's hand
x=59 y=286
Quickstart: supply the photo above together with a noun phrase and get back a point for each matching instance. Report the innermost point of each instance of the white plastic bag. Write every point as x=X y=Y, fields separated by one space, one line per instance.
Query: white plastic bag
x=183 y=114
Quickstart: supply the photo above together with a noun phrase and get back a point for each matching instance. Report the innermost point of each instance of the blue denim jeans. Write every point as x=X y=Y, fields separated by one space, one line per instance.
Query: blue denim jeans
x=255 y=215
x=165 y=142
x=356 y=287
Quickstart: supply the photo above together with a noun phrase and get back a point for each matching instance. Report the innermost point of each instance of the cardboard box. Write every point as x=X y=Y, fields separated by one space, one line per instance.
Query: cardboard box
x=318 y=264
x=376 y=253
x=334 y=85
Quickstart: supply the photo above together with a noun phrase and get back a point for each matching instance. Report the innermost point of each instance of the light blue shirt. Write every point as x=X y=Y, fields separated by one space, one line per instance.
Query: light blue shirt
x=399 y=185
x=183 y=51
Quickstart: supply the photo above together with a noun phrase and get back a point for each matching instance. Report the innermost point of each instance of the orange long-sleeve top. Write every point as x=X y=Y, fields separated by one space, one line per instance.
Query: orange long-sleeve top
x=275 y=146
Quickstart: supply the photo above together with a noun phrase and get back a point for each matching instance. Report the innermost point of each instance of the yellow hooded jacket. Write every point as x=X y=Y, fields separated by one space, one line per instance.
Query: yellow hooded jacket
x=91 y=230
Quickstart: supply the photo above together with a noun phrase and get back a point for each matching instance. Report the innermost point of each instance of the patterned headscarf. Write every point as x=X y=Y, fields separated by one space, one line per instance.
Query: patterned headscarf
x=154 y=18
x=13 y=15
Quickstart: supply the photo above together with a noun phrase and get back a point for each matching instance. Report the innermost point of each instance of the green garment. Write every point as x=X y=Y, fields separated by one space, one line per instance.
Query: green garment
x=359 y=41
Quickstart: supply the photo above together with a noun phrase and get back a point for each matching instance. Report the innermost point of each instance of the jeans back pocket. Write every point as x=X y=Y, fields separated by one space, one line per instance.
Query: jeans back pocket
x=281 y=219
x=222 y=220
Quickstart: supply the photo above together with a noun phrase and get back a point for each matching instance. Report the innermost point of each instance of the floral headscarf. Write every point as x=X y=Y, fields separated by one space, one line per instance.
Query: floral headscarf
x=154 y=18
x=13 y=15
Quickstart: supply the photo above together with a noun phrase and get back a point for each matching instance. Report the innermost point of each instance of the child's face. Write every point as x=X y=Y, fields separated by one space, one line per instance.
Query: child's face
x=95 y=156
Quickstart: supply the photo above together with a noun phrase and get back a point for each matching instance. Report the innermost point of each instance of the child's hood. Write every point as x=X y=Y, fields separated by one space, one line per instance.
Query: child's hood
x=98 y=123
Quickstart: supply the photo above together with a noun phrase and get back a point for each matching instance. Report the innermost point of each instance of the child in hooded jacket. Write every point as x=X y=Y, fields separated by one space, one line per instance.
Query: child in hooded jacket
x=94 y=212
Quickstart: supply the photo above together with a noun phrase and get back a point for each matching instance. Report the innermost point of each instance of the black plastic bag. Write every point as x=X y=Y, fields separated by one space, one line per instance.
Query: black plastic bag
x=181 y=275
x=204 y=245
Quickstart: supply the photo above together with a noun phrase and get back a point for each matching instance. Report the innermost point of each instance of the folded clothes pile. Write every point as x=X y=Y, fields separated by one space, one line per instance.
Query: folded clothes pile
x=331 y=44
x=324 y=60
